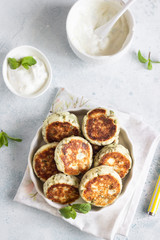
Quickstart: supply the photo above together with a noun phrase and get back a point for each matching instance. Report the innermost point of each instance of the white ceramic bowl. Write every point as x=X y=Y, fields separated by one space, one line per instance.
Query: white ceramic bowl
x=38 y=141
x=27 y=51
x=79 y=6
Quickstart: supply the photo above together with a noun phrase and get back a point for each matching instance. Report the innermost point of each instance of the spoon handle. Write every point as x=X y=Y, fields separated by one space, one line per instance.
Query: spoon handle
x=103 y=30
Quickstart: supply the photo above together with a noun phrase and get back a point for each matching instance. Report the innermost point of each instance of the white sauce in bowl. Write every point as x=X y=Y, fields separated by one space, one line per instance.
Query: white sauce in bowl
x=28 y=82
x=89 y=16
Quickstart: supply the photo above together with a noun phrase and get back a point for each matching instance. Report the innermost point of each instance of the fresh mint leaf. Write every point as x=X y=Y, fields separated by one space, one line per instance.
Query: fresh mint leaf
x=149 y=65
x=141 y=58
x=13 y=63
x=83 y=207
x=1 y=139
x=5 y=140
x=28 y=61
x=68 y=212
x=65 y=212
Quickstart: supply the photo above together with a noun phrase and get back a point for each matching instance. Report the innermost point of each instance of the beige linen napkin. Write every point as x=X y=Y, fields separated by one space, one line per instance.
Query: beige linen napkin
x=115 y=218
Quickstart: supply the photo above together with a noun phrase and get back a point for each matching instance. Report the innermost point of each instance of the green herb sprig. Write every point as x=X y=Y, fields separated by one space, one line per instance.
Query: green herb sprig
x=26 y=62
x=70 y=211
x=144 y=60
x=4 y=139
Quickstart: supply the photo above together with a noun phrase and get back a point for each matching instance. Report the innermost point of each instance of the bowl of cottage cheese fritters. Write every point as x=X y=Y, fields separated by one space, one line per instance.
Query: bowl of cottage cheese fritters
x=82 y=156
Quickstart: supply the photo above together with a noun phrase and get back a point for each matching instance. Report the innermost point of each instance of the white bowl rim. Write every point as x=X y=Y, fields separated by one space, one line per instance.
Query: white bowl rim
x=48 y=66
x=107 y=56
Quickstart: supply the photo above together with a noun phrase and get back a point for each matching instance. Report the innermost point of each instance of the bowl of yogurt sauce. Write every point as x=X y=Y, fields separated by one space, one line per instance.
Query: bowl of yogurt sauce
x=87 y=15
x=31 y=82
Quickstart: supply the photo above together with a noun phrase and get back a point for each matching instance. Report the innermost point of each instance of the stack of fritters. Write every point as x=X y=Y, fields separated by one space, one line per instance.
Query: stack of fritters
x=64 y=163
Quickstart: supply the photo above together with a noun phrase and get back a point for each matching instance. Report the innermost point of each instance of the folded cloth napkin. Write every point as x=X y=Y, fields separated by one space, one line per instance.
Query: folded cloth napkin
x=117 y=218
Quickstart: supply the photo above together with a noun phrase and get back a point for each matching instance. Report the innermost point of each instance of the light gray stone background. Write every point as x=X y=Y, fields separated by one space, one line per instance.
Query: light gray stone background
x=126 y=84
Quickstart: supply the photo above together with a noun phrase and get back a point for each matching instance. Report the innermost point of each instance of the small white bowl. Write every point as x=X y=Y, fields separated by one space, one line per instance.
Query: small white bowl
x=27 y=51
x=79 y=6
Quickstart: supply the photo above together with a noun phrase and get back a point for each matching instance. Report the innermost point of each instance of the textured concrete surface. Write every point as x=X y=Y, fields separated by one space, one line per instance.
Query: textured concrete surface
x=126 y=84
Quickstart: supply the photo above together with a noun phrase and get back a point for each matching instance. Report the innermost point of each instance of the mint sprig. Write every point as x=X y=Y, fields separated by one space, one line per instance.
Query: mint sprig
x=70 y=211
x=26 y=62
x=144 y=60
x=4 y=139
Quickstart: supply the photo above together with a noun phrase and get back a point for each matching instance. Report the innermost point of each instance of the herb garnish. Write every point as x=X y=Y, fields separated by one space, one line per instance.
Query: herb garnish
x=26 y=62
x=13 y=63
x=70 y=211
x=4 y=139
x=144 y=60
